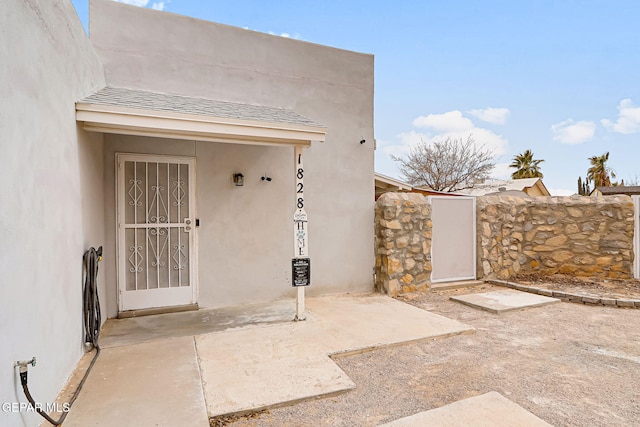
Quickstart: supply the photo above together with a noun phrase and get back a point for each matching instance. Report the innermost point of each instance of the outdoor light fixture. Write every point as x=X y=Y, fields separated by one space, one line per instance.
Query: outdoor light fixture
x=238 y=179
x=266 y=178
x=362 y=141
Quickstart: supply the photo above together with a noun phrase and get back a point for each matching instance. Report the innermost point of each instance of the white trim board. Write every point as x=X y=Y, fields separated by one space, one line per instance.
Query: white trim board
x=129 y=121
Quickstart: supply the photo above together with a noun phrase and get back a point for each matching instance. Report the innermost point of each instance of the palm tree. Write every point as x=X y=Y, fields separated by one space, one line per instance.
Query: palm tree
x=599 y=173
x=526 y=166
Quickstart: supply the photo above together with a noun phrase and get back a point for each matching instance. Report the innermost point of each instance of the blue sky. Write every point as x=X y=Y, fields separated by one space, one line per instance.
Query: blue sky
x=557 y=77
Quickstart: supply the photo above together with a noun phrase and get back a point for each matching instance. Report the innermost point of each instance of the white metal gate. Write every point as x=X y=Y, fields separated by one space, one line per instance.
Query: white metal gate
x=453 y=244
x=156 y=241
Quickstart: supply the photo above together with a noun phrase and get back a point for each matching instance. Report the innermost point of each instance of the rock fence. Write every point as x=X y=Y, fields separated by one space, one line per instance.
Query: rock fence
x=403 y=243
x=583 y=236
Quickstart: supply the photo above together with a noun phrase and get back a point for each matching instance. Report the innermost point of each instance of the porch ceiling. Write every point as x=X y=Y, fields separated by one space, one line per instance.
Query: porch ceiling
x=136 y=112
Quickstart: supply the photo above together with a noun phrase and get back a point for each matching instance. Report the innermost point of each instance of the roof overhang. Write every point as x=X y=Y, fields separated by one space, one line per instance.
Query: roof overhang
x=386 y=182
x=542 y=188
x=164 y=124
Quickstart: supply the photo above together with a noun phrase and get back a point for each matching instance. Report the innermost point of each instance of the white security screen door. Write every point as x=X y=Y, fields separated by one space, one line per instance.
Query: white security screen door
x=156 y=241
x=453 y=244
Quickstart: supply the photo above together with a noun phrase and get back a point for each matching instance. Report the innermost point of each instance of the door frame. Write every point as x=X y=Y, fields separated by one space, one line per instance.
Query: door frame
x=120 y=158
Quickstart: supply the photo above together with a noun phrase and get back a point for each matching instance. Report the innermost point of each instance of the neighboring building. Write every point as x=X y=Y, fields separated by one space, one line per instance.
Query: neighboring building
x=133 y=139
x=386 y=184
x=629 y=190
x=514 y=187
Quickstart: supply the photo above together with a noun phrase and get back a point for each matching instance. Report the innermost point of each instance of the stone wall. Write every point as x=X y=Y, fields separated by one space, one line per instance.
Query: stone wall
x=403 y=243
x=583 y=236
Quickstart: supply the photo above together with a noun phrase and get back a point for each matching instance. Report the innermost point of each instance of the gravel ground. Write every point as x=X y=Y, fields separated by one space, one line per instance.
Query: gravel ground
x=569 y=364
x=608 y=288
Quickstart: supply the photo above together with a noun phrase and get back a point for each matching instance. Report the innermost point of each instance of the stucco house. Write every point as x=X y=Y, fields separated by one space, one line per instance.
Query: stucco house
x=386 y=184
x=184 y=148
x=629 y=190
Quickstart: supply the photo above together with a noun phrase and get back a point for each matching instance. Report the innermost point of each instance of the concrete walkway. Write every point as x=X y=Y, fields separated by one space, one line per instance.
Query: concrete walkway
x=180 y=379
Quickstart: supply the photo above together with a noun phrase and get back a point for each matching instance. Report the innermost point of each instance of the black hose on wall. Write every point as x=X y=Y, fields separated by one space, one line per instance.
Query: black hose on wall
x=92 y=321
x=91 y=303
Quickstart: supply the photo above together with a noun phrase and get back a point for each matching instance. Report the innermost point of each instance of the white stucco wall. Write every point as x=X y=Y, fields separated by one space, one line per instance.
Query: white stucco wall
x=52 y=200
x=246 y=239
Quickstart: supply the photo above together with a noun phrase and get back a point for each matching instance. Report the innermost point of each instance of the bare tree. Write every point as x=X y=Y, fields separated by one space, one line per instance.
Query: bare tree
x=449 y=165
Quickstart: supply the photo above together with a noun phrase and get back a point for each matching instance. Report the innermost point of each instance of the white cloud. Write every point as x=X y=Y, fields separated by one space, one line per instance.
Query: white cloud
x=454 y=125
x=158 y=5
x=296 y=36
x=561 y=192
x=497 y=116
x=484 y=140
x=140 y=3
x=407 y=140
x=628 y=118
x=446 y=122
x=501 y=171
x=570 y=132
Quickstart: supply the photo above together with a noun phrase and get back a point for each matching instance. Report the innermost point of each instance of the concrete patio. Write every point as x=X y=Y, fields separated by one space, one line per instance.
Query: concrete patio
x=183 y=368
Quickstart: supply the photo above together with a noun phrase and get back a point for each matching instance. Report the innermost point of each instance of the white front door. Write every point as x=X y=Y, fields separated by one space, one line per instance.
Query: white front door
x=156 y=234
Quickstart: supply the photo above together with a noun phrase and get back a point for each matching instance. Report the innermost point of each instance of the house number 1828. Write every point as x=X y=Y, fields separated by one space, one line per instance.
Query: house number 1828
x=300 y=216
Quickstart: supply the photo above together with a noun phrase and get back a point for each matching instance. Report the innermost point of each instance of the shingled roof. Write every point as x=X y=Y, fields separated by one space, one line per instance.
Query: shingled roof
x=494 y=187
x=124 y=111
x=155 y=101
x=630 y=190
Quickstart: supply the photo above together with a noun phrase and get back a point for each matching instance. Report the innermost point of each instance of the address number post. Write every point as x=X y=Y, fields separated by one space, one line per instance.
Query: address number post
x=300 y=264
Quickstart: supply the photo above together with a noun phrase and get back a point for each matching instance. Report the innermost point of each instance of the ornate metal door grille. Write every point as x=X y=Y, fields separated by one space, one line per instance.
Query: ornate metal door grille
x=155 y=210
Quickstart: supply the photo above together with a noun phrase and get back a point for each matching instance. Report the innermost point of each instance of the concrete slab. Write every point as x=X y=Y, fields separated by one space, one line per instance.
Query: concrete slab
x=487 y=410
x=372 y=321
x=505 y=300
x=194 y=365
x=149 y=384
x=264 y=367
x=117 y=332
x=270 y=365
